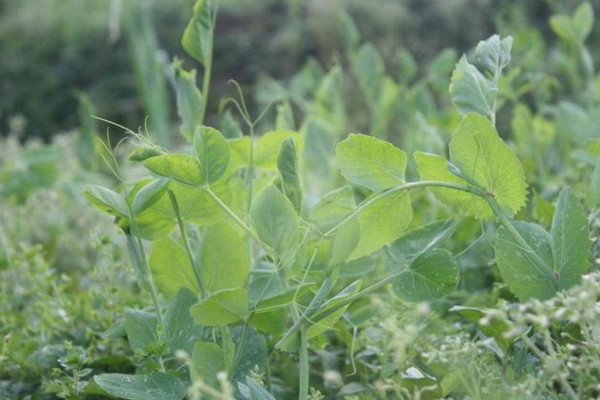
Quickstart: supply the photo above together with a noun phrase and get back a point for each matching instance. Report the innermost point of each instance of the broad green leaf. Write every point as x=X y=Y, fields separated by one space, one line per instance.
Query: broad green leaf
x=181 y=331
x=435 y=168
x=149 y=195
x=570 y=240
x=189 y=100
x=478 y=151
x=289 y=178
x=583 y=20
x=223 y=257
x=576 y=28
x=331 y=210
x=471 y=91
x=371 y=162
x=153 y=386
x=284 y=119
x=212 y=151
x=106 y=200
x=197 y=36
x=420 y=240
x=222 y=308
x=525 y=277
x=140 y=327
x=254 y=356
x=433 y=274
x=208 y=359
x=171 y=267
x=178 y=167
x=493 y=55
x=381 y=222
x=275 y=219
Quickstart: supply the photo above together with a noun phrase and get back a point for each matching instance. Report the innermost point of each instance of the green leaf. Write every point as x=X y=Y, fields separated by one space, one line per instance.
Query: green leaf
x=208 y=359
x=140 y=327
x=106 y=200
x=330 y=211
x=350 y=32
x=144 y=152
x=149 y=195
x=189 y=100
x=222 y=308
x=251 y=390
x=420 y=240
x=267 y=148
x=471 y=91
x=198 y=37
x=526 y=278
x=433 y=274
x=171 y=268
x=178 y=167
x=381 y=222
x=154 y=386
x=289 y=178
x=570 y=240
x=275 y=219
x=371 y=162
x=321 y=325
x=181 y=331
x=480 y=154
x=212 y=151
x=493 y=55
x=583 y=20
x=224 y=258
x=369 y=68
x=435 y=168
x=576 y=28
x=275 y=301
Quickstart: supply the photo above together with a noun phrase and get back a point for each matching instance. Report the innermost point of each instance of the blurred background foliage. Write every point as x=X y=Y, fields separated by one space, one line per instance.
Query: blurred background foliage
x=53 y=53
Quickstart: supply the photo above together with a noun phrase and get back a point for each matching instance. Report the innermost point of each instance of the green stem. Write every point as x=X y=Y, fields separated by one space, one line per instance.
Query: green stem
x=208 y=68
x=186 y=242
x=304 y=366
x=406 y=186
x=4 y=244
x=237 y=220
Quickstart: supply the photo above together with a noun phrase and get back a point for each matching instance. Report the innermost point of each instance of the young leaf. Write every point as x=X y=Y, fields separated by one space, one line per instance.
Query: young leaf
x=178 y=167
x=171 y=268
x=471 y=91
x=289 y=178
x=593 y=195
x=140 y=327
x=189 y=100
x=268 y=146
x=153 y=386
x=435 y=168
x=181 y=331
x=149 y=195
x=525 y=277
x=493 y=55
x=197 y=37
x=208 y=359
x=420 y=240
x=222 y=308
x=570 y=240
x=371 y=162
x=224 y=258
x=478 y=151
x=106 y=200
x=433 y=274
x=381 y=222
x=275 y=219
x=212 y=151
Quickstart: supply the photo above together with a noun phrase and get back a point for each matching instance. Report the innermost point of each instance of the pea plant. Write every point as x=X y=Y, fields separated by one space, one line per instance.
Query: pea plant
x=245 y=263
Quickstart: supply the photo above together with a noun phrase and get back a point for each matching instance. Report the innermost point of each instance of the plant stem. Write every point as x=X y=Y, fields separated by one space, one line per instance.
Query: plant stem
x=304 y=366
x=186 y=242
x=237 y=219
x=208 y=67
x=400 y=188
